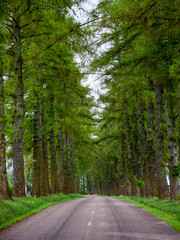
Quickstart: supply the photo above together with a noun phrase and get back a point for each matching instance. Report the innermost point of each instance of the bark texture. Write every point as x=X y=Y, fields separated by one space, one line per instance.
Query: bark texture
x=172 y=149
x=18 y=161
x=151 y=158
x=135 y=152
x=150 y=149
x=131 y=162
x=67 y=169
x=45 y=171
x=4 y=187
x=179 y=119
x=179 y=109
x=54 y=182
x=125 y=181
x=38 y=180
x=161 y=178
x=73 y=166
x=60 y=160
x=142 y=142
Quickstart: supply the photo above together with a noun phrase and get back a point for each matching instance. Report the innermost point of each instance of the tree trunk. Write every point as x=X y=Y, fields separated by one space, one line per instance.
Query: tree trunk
x=67 y=167
x=76 y=184
x=172 y=149
x=179 y=110
x=4 y=187
x=125 y=179
x=54 y=186
x=179 y=120
x=38 y=181
x=131 y=162
x=18 y=161
x=136 y=173
x=142 y=160
x=60 y=160
x=84 y=185
x=73 y=166
x=45 y=171
x=161 y=178
x=150 y=149
x=89 y=185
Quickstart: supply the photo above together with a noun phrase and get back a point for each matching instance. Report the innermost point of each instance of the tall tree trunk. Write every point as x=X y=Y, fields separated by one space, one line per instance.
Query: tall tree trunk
x=45 y=170
x=179 y=109
x=73 y=166
x=67 y=167
x=142 y=141
x=137 y=157
x=38 y=180
x=84 y=185
x=125 y=179
x=18 y=161
x=76 y=179
x=60 y=160
x=172 y=148
x=161 y=178
x=76 y=184
x=179 y=119
x=4 y=187
x=136 y=173
x=54 y=182
x=149 y=145
x=89 y=185
x=131 y=162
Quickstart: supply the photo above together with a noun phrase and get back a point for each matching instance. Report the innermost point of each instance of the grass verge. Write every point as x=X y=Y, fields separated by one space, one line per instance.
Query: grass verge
x=166 y=210
x=12 y=211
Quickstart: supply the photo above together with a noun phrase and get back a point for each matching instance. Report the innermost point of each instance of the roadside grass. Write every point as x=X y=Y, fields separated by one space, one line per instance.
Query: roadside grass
x=166 y=210
x=17 y=209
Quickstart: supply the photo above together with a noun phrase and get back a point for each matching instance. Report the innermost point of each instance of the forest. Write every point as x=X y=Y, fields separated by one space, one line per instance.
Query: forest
x=54 y=136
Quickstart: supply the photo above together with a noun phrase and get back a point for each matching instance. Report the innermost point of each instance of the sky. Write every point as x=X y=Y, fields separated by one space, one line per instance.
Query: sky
x=91 y=80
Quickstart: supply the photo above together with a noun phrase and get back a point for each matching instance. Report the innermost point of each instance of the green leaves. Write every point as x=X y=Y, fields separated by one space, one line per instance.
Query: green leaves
x=138 y=44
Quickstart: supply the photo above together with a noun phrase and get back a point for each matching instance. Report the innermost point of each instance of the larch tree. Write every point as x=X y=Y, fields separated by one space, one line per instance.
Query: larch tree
x=142 y=45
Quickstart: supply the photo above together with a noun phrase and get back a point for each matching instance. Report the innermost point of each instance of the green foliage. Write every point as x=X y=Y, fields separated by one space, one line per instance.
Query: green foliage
x=176 y=170
x=141 y=40
x=49 y=40
x=139 y=182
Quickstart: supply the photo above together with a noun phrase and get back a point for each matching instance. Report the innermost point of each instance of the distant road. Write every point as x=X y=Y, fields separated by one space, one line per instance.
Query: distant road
x=93 y=218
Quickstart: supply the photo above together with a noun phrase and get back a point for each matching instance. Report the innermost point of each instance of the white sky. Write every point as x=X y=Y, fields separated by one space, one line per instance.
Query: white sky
x=91 y=80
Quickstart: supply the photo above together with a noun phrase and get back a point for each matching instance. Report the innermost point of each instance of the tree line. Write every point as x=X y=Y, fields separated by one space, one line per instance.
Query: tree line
x=138 y=135
x=48 y=121
x=45 y=116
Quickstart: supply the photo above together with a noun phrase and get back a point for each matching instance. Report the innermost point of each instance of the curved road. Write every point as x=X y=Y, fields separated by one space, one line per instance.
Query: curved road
x=92 y=218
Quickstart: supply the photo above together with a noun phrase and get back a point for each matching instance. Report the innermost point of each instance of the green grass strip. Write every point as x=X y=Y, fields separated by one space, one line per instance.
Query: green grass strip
x=12 y=211
x=166 y=210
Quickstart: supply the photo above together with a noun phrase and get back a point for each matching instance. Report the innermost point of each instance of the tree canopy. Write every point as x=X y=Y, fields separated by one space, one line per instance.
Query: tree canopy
x=50 y=132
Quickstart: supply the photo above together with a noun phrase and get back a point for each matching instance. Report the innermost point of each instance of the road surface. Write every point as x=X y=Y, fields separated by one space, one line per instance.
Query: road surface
x=92 y=218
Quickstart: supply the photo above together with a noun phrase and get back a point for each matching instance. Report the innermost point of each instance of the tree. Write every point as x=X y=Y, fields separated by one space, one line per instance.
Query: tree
x=4 y=187
x=40 y=40
x=140 y=48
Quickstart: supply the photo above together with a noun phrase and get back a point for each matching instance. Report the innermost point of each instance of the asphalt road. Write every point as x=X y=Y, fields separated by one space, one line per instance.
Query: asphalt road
x=92 y=218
